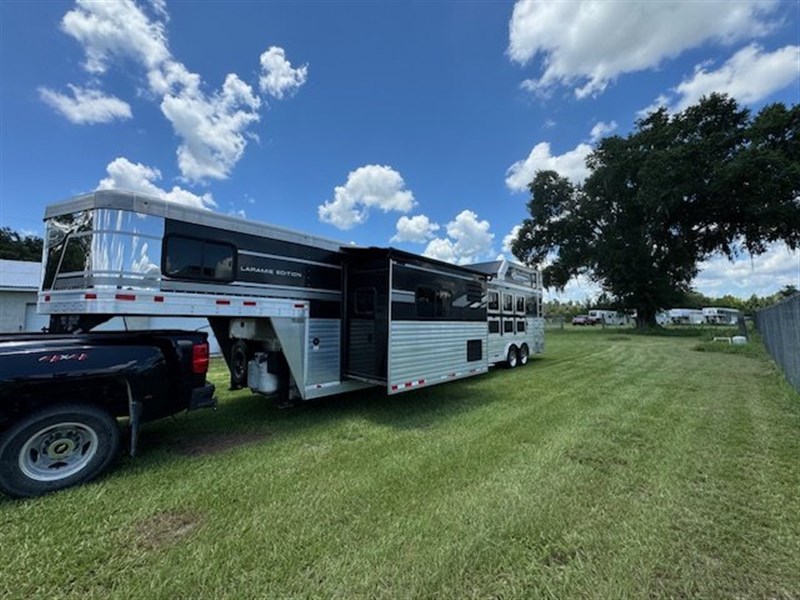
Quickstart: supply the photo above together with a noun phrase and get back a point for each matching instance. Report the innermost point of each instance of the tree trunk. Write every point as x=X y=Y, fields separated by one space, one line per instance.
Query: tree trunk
x=646 y=318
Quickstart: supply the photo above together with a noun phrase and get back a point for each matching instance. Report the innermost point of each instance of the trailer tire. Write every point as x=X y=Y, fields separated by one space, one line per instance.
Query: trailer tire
x=239 y=357
x=56 y=447
x=522 y=355
x=512 y=358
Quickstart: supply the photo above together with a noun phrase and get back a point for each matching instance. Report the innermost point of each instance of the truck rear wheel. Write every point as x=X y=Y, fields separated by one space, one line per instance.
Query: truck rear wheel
x=56 y=447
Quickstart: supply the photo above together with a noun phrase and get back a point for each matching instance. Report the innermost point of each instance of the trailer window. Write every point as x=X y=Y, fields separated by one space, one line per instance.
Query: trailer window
x=533 y=308
x=432 y=302
x=520 y=326
x=494 y=326
x=198 y=259
x=494 y=301
x=508 y=303
x=508 y=326
x=365 y=302
x=521 y=304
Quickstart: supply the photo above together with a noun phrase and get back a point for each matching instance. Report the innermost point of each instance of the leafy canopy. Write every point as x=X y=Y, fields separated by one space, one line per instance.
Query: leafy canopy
x=665 y=197
x=14 y=246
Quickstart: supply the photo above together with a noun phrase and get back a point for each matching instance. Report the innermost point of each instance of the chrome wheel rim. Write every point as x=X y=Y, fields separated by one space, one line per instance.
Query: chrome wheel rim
x=58 y=451
x=523 y=355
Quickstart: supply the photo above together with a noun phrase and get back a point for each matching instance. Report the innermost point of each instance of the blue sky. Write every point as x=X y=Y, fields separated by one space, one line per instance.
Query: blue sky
x=414 y=124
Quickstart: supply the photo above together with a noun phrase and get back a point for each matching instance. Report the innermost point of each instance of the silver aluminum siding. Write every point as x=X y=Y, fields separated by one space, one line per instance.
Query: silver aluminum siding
x=323 y=360
x=433 y=350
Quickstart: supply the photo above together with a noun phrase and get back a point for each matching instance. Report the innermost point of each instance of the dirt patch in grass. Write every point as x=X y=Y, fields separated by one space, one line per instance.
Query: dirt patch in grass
x=166 y=528
x=562 y=557
x=209 y=444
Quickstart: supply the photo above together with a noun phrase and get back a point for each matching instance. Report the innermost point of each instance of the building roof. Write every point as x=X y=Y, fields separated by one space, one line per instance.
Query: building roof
x=20 y=275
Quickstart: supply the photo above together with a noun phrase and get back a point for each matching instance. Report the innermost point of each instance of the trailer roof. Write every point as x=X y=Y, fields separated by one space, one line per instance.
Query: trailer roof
x=150 y=205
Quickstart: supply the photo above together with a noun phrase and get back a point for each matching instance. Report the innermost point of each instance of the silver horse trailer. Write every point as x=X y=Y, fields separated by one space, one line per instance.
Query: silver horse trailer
x=295 y=315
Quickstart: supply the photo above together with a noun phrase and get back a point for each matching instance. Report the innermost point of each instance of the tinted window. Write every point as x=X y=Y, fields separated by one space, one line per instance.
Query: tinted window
x=198 y=259
x=521 y=304
x=432 y=302
x=365 y=301
x=494 y=301
x=494 y=326
x=533 y=307
x=520 y=326
x=508 y=303
x=508 y=326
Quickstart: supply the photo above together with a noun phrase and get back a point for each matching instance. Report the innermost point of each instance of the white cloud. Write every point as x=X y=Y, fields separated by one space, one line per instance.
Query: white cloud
x=417 y=229
x=86 y=106
x=749 y=76
x=468 y=240
x=278 y=78
x=370 y=186
x=139 y=178
x=578 y=289
x=441 y=249
x=119 y=29
x=590 y=43
x=602 y=129
x=571 y=164
x=213 y=127
x=509 y=238
x=761 y=275
x=661 y=102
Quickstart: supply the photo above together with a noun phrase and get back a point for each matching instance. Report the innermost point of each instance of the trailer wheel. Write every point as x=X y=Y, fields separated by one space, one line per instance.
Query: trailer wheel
x=512 y=358
x=56 y=447
x=238 y=364
x=523 y=355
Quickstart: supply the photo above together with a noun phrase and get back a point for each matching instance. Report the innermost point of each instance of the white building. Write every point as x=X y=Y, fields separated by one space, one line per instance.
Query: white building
x=19 y=284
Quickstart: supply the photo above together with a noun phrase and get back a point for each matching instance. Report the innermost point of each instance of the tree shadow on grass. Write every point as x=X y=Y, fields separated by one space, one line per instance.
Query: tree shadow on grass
x=245 y=418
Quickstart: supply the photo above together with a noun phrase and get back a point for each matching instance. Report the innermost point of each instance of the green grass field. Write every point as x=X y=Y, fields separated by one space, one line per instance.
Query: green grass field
x=615 y=466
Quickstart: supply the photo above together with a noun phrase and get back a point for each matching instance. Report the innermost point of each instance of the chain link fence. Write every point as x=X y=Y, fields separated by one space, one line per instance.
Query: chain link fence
x=779 y=326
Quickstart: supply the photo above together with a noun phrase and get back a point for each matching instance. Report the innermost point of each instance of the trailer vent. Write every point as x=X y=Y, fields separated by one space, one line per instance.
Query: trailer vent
x=474 y=350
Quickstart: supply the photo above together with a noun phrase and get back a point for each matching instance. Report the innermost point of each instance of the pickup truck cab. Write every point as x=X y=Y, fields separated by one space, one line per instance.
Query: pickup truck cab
x=61 y=396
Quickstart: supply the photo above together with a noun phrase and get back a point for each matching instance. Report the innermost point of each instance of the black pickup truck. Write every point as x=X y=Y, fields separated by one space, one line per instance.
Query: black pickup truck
x=61 y=396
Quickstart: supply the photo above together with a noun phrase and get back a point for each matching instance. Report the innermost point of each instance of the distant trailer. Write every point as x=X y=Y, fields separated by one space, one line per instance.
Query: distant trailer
x=686 y=316
x=295 y=315
x=610 y=317
x=721 y=316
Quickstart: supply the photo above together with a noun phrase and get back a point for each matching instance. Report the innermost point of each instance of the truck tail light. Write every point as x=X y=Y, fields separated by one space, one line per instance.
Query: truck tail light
x=200 y=358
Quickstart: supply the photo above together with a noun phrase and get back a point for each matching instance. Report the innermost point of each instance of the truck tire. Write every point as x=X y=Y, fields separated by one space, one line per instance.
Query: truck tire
x=56 y=447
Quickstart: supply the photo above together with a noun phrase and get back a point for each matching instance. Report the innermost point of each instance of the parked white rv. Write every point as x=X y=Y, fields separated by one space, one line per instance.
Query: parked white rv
x=721 y=316
x=610 y=317
x=686 y=316
x=295 y=314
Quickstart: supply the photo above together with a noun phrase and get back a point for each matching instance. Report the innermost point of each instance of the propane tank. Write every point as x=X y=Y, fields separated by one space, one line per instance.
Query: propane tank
x=259 y=379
